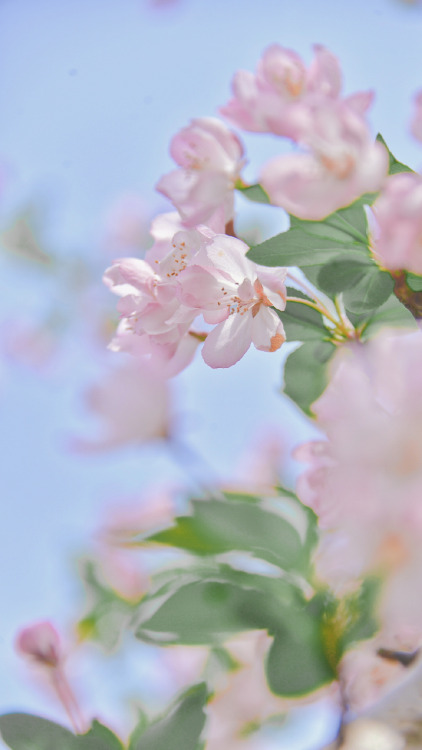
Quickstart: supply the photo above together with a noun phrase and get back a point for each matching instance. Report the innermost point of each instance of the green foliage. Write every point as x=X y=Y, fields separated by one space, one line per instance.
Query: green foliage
x=109 y=614
x=369 y=293
x=394 y=166
x=210 y=610
x=217 y=526
x=254 y=193
x=306 y=373
x=315 y=243
x=414 y=282
x=297 y=663
x=343 y=273
x=26 y=732
x=391 y=313
x=360 y=607
x=179 y=729
x=301 y=322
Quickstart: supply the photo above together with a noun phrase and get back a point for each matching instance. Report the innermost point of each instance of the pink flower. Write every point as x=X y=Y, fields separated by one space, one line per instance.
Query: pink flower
x=133 y=405
x=40 y=642
x=210 y=158
x=365 y=481
x=416 y=122
x=155 y=323
x=237 y=295
x=342 y=163
x=275 y=99
x=397 y=243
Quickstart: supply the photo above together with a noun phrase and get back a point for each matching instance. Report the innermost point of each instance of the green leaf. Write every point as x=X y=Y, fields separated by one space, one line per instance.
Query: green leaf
x=305 y=373
x=310 y=243
x=370 y=292
x=296 y=663
x=391 y=313
x=360 y=608
x=108 y=613
x=342 y=273
x=254 y=193
x=180 y=728
x=297 y=247
x=349 y=223
x=26 y=732
x=218 y=526
x=414 y=282
x=301 y=322
x=394 y=165
x=205 y=612
x=99 y=737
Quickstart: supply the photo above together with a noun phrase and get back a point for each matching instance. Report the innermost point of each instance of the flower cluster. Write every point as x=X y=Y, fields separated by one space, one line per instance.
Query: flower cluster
x=340 y=161
x=189 y=273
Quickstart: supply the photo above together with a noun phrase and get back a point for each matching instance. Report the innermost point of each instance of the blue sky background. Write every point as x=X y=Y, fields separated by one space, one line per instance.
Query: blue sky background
x=90 y=95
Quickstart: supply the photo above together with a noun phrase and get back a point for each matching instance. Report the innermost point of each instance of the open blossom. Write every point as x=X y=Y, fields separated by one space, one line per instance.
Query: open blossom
x=341 y=163
x=397 y=242
x=202 y=274
x=41 y=643
x=365 y=481
x=210 y=157
x=237 y=295
x=154 y=321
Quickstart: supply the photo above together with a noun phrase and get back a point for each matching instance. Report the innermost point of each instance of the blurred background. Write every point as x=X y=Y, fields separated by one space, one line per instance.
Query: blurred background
x=91 y=94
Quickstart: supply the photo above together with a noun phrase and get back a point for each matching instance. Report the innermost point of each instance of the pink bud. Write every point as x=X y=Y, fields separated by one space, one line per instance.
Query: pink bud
x=40 y=642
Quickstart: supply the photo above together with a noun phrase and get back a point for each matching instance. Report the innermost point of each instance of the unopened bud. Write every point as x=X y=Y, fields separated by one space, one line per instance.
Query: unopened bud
x=40 y=642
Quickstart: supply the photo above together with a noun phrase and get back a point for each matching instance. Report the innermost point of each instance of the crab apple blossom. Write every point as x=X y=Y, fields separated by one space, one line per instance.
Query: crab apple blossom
x=210 y=158
x=40 y=642
x=132 y=404
x=274 y=100
x=397 y=241
x=154 y=321
x=365 y=480
x=237 y=295
x=341 y=164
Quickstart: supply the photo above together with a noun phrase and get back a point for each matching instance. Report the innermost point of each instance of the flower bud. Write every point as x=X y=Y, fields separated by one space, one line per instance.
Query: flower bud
x=40 y=642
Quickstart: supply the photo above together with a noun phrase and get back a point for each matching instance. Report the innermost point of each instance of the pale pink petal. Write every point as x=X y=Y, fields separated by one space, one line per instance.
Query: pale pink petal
x=129 y=274
x=398 y=213
x=301 y=184
x=267 y=330
x=228 y=254
x=324 y=74
x=228 y=342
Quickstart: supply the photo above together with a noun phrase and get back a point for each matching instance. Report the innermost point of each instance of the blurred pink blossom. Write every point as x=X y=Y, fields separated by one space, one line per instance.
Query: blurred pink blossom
x=397 y=241
x=341 y=164
x=365 y=481
x=132 y=404
x=210 y=158
x=275 y=99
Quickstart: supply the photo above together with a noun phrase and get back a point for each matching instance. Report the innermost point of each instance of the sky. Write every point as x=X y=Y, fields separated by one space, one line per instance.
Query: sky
x=91 y=94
